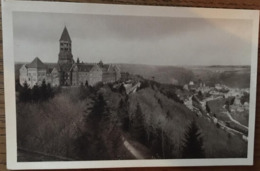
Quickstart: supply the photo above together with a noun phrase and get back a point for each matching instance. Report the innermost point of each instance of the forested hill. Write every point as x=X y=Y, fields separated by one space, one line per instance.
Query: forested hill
x=96 y=123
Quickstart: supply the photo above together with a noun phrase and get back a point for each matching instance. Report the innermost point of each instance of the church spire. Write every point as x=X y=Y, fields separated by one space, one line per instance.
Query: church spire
x=65 y=35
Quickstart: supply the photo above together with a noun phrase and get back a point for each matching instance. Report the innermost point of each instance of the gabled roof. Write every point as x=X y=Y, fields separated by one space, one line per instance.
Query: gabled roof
x=65 y=35
x=49 y=70
x=110 y=68
x=105 y=68
x=36 y=63
x=64 y=67
x=83 y=67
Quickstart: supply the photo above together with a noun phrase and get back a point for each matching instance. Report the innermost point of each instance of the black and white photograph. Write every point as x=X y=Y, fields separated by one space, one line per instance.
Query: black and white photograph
x=152 y=84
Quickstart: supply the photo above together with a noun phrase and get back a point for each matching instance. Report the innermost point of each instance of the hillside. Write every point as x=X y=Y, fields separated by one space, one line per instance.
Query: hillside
x=173 y=119
x=104 y=123
x=232 y=76
x=162 y=74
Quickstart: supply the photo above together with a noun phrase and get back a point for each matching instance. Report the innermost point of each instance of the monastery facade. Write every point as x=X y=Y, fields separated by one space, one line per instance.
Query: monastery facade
x=67 y=72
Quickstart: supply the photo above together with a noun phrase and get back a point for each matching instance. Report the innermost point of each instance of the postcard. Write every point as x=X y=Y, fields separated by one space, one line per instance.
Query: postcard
x=108 y=86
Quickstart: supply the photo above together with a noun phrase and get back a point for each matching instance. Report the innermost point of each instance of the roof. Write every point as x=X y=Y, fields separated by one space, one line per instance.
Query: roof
x=64 y=67
x=65 y=35
x=49 y=70
x=36 y=63
x=84 y=67
x=105 y=68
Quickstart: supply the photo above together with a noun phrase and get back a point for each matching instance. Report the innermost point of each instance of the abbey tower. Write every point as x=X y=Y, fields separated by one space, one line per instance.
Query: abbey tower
x=65 y=55
x=65 y=60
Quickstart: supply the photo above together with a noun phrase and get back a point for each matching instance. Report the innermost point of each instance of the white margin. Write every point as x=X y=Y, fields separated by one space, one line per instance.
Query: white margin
x=105 y=9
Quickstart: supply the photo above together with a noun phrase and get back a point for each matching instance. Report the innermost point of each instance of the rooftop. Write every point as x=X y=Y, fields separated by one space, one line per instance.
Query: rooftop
x=65 y=35
x=36 y=63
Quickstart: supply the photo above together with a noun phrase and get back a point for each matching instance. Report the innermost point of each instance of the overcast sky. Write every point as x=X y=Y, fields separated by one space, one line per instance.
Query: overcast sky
x=131 y=39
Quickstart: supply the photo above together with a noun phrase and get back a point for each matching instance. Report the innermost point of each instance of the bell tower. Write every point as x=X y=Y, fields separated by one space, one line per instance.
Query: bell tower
x=65 y=55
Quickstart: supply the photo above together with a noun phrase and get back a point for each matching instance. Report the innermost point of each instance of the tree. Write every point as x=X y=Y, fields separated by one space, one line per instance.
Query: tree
x=25 y=93
x=193 y=143
x=137 y=125
x=50 y=91
x=245 y=98
x=43 y=91
x=86 y=83
x=99 y=107
x=18 y=86
x=123 y=115
x=36 y=94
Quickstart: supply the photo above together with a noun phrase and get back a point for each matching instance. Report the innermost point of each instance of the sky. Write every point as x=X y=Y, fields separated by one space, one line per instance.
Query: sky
x=133 y=39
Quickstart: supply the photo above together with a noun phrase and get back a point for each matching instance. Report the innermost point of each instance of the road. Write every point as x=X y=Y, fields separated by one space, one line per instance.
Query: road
x=235 y=121
x=132 y=149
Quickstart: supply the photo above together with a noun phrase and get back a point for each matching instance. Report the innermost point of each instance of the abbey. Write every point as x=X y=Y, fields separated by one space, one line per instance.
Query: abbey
x=67 y=72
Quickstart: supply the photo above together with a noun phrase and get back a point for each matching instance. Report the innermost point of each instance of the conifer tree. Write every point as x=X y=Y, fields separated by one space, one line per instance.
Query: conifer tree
x=123 y=115
x=99 y=107
x=43 y=91
x=193 y=143
x=50 y=91
x=137 y=126
x=25 y=93
x=36 y=93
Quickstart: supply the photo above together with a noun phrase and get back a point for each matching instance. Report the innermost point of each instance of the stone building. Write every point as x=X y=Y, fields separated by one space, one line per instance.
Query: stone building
x=35 y=72
x=66 y=72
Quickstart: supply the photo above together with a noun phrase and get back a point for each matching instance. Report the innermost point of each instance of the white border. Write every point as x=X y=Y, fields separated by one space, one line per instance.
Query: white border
x=83 y=8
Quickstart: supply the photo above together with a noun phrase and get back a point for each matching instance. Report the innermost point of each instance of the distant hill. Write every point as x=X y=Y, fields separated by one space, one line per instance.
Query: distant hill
x=232 y=76
x=162 y=74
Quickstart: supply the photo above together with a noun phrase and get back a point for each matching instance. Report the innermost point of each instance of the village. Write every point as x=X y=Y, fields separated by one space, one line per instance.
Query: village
x=226 y=107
